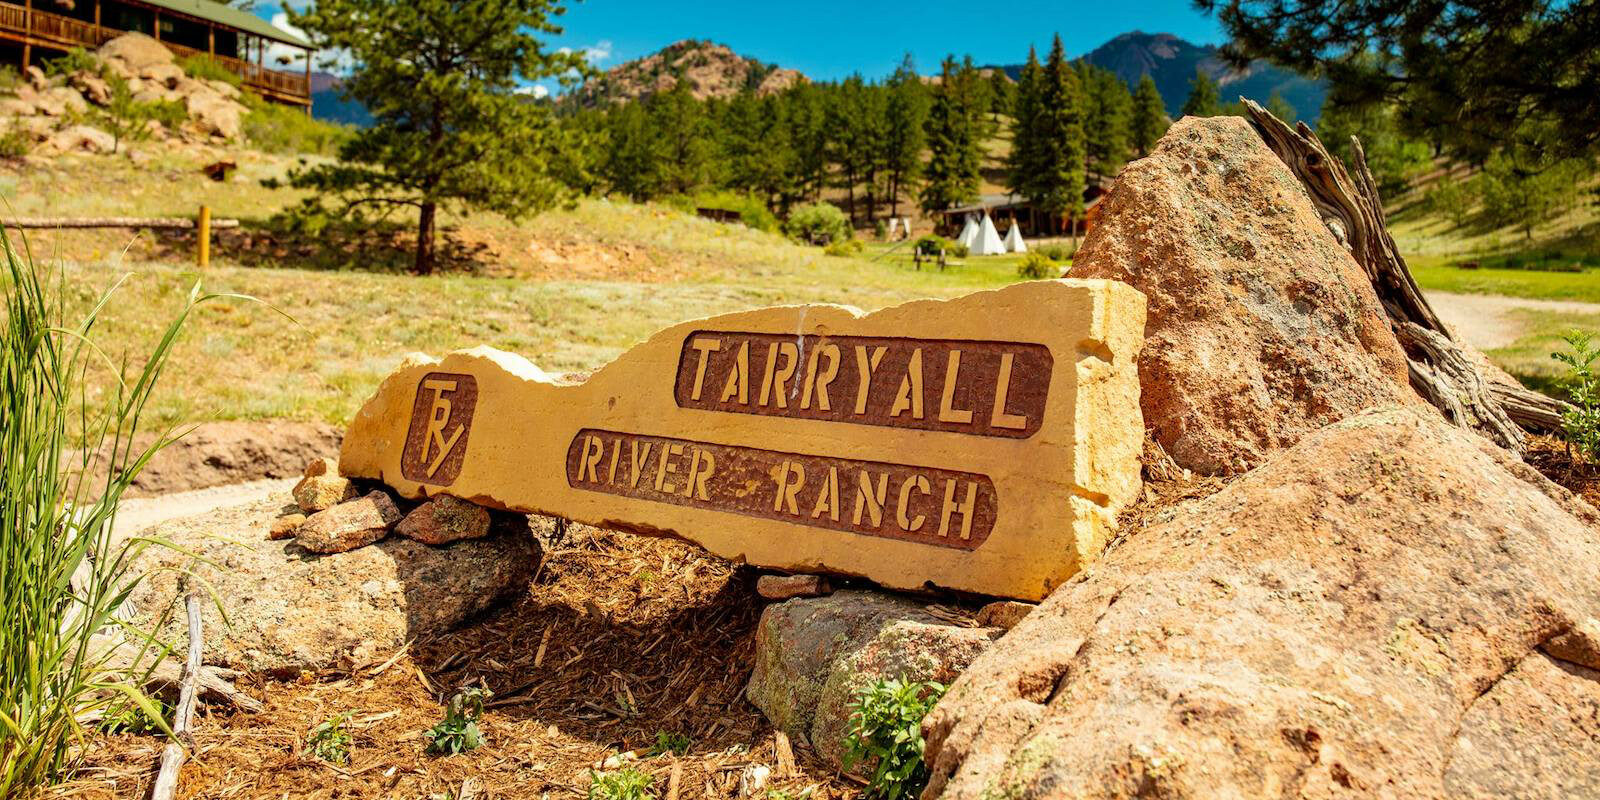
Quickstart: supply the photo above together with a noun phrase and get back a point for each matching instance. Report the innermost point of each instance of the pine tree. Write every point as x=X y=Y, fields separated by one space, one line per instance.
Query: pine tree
x=680 y=123
x=1107 y=113
x=1149 y=116
x=1205 y=96
x=805 y=114
x=1058 y=184
x=632 y=163
x=440 y=78
x=1281 y=108
x=905 y=114
x=757 y=149
x=852 y=124
x=1023 y=160
x=952 y=174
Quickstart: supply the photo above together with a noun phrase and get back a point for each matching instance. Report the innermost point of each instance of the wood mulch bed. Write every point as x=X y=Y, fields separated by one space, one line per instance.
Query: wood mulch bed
x=620 y=638
x=1555 y=461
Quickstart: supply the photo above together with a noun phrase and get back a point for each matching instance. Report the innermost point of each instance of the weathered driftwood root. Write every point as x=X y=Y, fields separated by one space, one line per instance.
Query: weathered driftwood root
x=1441 y=371
x=182 y=741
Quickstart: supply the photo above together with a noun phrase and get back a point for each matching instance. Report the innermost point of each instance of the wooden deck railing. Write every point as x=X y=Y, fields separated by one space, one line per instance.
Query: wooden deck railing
x=43 y=27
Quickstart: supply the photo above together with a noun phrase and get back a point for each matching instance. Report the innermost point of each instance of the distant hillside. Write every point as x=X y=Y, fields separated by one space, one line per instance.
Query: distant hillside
x=1172 y=62
x=711 y=70
x=327 y=105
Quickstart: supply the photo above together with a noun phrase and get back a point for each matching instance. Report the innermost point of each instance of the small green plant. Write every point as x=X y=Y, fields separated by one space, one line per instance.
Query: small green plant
x=886 y=731
x=674 y=743
x=819 y=224
x=205 y=68
x=130 y=718
x=844 y=248
x=15 y=143
x=1036 y=266
x=931 y=245
x=624 y=784
x=329 y=740
x=76 y=60
x=459 y=732
x=1582 y=421
x=1054 y=252
x=10 y=78
x=276 y=128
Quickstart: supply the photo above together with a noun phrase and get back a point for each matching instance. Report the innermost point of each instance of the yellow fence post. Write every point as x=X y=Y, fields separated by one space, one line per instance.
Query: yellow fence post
x=204 y=231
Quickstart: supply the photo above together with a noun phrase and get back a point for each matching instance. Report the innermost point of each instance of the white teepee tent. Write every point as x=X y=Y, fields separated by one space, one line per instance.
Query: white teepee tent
x=1014 y=243
x=987 y=242
x=969 y=233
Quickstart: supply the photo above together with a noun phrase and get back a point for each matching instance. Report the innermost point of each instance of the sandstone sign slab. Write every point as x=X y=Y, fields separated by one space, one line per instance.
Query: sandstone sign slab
x=979 y=444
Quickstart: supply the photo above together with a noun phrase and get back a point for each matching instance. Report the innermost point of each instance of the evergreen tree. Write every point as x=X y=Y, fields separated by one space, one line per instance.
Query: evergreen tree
x=1107 y=119
x=1205 y=96
x=804 y=108
x=1281 y=108
x=1149 y=116
x=1023 y=161
x=1058 y=184
x=853 y=123
x=680 y=123
x=632 y=163
x=757 y=150
x=1392 y=156
x=952 y=174
x=1002 y=92
x=905 y=114
x=448 y=127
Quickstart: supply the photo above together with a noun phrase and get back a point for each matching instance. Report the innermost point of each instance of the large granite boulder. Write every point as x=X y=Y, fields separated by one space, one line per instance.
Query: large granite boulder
x=813 y=654
x=1365 y=615
x=133 y=53
x=290 y=610
x=1261 y=327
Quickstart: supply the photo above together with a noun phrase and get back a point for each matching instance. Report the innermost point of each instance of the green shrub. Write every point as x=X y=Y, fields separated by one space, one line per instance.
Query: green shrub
x=1054 y=252
x=205 y=68
x=1582 y=421
x=277 y=128
x=886 y=730
x=932 y=245
x=63 y=574
x=1453 y=199
x=880 y=229
x=459 y=732
x=1035 y=266
x=10 y=78
x=752 y=211
x=329 y=740
x=76 y=60
x=624 y=784
x=818 y=224
x=675 y=743
x=844 y=248
x=15 y=143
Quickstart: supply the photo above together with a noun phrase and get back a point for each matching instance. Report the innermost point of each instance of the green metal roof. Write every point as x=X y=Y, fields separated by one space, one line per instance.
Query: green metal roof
x=231 y=17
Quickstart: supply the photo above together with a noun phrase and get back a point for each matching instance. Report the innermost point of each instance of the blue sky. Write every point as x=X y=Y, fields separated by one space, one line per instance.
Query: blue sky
x=829 y=39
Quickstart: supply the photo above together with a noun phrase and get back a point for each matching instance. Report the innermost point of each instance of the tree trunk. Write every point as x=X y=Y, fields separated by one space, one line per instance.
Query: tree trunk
x=1442 y=371
x=424 y=264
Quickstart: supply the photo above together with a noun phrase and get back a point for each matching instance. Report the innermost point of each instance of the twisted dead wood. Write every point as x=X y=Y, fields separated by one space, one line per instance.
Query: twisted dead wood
x=1441 y=370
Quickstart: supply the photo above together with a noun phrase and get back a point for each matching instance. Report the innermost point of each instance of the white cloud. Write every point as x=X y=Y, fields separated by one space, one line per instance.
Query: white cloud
x=536 y=90
x=596 y=54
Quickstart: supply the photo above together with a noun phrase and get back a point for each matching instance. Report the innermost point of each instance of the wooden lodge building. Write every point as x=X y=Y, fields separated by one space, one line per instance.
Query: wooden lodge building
x=237 y=40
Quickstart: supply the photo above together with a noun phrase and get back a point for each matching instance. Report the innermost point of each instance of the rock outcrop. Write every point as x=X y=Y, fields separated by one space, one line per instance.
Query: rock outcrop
x=1361 y=616
x=291 y=611
x=1261 y=327
x=211 y=108
x=812 y=655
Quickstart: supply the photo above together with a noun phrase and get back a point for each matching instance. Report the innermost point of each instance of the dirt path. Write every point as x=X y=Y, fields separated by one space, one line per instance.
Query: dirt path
x=1485 y=320
x=136 y=514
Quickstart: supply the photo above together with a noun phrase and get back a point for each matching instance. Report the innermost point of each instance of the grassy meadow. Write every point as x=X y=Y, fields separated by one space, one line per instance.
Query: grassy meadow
x=570 y=289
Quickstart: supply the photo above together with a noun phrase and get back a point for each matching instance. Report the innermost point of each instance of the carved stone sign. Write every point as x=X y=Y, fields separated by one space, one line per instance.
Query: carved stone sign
x=981 y=444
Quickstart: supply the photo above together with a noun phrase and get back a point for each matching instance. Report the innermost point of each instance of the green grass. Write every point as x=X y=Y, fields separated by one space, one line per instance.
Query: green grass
x=63 y=574
x=1441 y=275
x=1528 y=357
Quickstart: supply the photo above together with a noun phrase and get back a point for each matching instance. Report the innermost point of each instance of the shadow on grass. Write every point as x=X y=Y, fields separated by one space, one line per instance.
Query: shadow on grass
x=385 y=247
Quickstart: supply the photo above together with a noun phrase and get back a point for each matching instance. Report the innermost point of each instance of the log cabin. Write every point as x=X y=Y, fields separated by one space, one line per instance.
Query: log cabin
x=238 y=40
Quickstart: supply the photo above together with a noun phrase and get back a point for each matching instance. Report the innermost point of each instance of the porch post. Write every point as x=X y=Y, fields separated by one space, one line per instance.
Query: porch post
x=158 y=26
x=97 y=22
x=308 y=81
x=27 y=26
x=211 y=40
